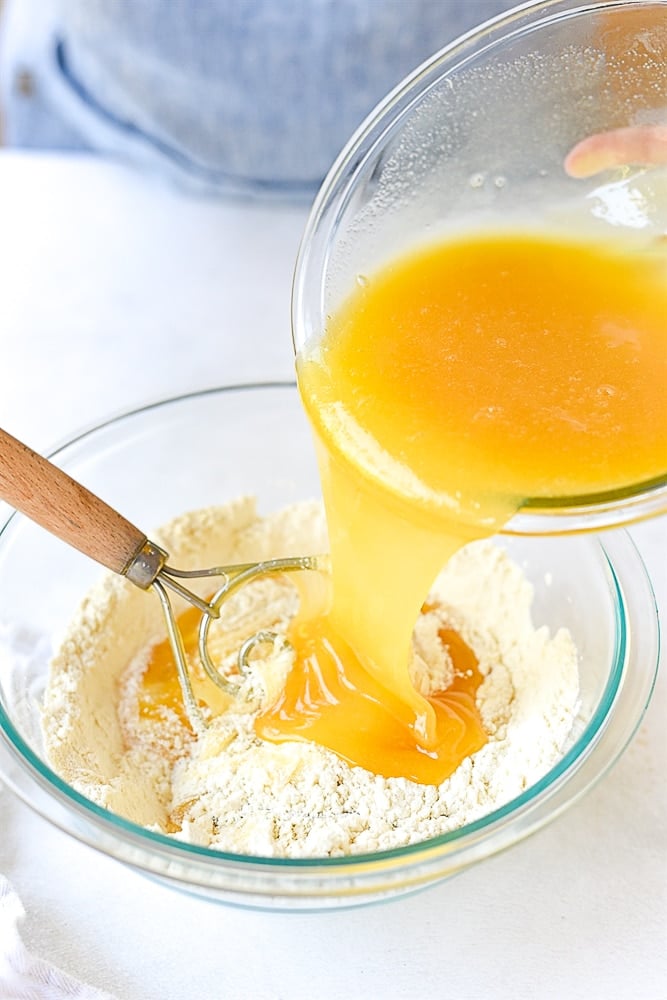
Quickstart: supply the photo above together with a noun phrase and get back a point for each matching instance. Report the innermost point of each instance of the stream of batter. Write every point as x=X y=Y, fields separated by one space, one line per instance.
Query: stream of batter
x=450 y=387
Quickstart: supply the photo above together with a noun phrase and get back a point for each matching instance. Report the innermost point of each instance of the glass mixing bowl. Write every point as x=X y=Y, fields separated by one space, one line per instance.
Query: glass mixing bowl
x=208 y=448
x=475 y=140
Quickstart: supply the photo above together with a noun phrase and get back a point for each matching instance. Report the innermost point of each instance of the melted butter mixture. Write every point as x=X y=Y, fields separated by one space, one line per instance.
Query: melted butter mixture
x=450 y=388
x=366 y=719
x=330 y=699
x=160 y=686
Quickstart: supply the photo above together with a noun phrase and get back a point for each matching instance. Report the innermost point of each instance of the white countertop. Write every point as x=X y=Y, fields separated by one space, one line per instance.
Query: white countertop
x=115 y=291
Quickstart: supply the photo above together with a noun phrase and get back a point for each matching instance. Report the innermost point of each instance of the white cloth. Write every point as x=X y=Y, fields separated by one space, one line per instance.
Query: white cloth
x=24 y=976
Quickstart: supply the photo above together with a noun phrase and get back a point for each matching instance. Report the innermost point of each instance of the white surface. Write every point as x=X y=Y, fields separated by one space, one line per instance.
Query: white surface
x=114 y=291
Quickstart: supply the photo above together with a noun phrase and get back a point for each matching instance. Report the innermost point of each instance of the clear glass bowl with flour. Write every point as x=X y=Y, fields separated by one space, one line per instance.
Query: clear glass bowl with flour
x=595 y=587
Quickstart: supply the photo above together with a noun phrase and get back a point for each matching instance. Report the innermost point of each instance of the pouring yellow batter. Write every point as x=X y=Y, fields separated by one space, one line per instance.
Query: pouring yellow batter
x=449 y=388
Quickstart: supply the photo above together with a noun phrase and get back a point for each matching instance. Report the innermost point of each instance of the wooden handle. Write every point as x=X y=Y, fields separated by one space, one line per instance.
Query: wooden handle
x=54 y=500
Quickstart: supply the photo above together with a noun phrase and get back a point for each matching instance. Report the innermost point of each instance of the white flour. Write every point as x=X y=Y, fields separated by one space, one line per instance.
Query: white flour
x=230 y=790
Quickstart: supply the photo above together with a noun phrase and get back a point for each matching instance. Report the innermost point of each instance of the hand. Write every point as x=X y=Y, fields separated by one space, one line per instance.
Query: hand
x=641 y=144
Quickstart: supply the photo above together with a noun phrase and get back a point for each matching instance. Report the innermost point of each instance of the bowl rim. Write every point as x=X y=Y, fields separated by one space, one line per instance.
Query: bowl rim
x=594 y=751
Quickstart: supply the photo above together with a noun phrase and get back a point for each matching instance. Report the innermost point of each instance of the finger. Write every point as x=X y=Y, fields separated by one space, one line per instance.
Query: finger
x=642 y=144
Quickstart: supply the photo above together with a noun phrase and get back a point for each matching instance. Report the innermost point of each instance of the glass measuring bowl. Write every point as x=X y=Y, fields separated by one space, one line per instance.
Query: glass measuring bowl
x=475 y=140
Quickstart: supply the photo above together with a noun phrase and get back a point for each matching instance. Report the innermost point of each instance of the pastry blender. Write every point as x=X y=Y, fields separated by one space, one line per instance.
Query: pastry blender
x=47 y=495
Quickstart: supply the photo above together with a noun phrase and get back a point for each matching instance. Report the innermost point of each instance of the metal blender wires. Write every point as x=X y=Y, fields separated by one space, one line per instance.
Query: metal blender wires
x=65 y=508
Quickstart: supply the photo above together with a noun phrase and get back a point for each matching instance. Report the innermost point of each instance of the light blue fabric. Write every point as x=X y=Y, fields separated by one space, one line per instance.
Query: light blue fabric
x=224 y=95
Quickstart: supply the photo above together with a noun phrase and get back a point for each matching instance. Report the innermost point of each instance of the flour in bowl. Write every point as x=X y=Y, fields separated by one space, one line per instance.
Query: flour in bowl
x=119 y=735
